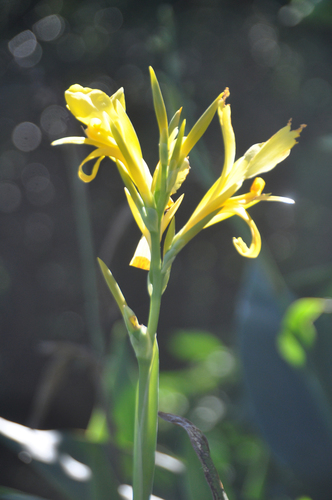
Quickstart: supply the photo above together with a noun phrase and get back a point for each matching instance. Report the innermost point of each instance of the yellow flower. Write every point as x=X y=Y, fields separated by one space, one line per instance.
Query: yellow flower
x=110 y=131
x=219 y=203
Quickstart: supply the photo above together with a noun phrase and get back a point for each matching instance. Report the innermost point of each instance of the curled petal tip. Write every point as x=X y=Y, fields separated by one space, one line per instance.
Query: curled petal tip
x=226 y=94
x=298 y=130
x=244 y=250
x=301 y=127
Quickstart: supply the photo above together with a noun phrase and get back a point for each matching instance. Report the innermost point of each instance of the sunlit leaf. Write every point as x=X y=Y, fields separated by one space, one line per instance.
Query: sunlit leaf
x=291 y=349
x=193 y=345
x=298 y=332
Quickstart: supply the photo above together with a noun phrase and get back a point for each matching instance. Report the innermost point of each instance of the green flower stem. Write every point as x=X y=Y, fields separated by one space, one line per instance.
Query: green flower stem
x=145 y=438
x=155 y=283
x=146 y=425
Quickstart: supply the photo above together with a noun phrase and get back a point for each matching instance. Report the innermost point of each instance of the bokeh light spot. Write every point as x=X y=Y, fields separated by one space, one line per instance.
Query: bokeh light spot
x=23 y=44
x=10 y=197
x=12 y=163
x=40 y=191
x=53 y=121
x=261 y=31
x=108 y=20
x=33 y=170
x=289 y=16
x=208 y=412
x=49 y=28
x=220 y=363
x=32 y=59
x=25 y=49
x=26 y=136
x=266 y=52
x=37 y=183
x=172 y=401
x=104 y=83
x=74 y=469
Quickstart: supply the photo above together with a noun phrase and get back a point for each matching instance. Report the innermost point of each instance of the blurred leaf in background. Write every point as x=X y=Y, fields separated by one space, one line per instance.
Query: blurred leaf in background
x=289 y=406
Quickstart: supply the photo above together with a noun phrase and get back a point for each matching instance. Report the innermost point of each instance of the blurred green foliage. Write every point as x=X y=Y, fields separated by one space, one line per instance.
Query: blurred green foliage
x=298 y=333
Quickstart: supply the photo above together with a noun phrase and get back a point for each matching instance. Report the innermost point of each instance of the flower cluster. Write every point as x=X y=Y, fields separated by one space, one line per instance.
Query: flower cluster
x=110 y=131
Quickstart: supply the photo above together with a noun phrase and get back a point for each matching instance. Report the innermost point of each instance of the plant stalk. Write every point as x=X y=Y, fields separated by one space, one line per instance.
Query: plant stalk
x=146 y=426
x=145 y=439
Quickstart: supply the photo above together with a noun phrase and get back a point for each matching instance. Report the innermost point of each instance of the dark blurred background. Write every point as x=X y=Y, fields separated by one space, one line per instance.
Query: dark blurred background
x=275 y=56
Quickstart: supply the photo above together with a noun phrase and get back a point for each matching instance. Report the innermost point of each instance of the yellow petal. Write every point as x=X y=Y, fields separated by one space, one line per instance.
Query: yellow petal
x=72 y=140
x=173 y=124
x=128 y=143
x=85 y=177
x=142 y=255
x=181 y=175
x=119 y=96
x=210 y=204
x=222 y=215
x=272 y=152
x=128 y=131
x=224 y=113
x=169 y=214
x=255 y=247
x=137 y=215
x=86 y=103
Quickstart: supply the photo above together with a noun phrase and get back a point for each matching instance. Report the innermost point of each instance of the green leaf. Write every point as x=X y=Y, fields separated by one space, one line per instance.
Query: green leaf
x=174 y=121
x=151 y=220
x=10 y=494
x=97 y=430
x=199 y=128
x=301 y=315
x=291 y=350
x=195 y=345
x=112 y=285
x=298 y=332
x=158 y=102
x=169 y=235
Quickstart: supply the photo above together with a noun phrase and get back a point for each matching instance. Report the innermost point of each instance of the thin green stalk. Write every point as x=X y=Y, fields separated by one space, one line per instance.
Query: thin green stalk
x=145 y=439
x=146 y=426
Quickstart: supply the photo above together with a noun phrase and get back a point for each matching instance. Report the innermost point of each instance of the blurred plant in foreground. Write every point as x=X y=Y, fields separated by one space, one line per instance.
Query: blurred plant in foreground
x=150 y=198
